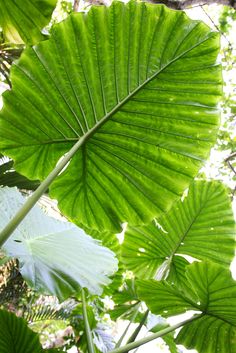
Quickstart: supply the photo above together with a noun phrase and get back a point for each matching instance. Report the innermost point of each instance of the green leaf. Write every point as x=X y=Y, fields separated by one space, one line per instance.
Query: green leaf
x=9 y=177
x=201 y=226
x=55 y=257
x=23 y=20
x=12 y=178
x=138 y=85
x=169 y=340
x=215 y=297
x=126 y=301
x=15 y=336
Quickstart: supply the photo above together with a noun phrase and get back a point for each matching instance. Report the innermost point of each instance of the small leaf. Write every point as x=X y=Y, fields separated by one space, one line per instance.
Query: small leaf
x=55 y=256
x=126 y=301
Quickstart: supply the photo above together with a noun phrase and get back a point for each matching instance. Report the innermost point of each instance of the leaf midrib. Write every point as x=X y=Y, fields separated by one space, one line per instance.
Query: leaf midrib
x=188 y=229
x=102 y=121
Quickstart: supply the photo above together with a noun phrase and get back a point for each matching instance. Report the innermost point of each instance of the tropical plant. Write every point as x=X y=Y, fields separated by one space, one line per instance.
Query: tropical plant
x=113 y=115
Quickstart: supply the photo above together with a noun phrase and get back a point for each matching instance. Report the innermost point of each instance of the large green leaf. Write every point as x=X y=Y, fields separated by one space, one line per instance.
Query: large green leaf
x=201 y=226
x=137 y=84
x=55 y=257
x=214 y=295
x=15 y=336
x=23 y=20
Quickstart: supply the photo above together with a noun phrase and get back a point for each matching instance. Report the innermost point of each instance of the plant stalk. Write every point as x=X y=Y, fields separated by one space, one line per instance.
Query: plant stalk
x=86 y=325
x=31 y=201
x=138 y=329
x=118 y=344
x=152 y=337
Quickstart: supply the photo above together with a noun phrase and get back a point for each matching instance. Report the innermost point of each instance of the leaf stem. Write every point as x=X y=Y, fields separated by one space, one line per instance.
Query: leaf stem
x=152 y=337
x=118 y=344
x=31 y=201
x=86 y=324
x=137 y=330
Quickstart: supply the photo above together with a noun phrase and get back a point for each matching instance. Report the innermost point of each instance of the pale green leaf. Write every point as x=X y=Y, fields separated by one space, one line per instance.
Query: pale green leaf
x=55 y=257
x=138 y=85
x=23 y=20
x=201 y=226
x=15 y=336
x=215 y=296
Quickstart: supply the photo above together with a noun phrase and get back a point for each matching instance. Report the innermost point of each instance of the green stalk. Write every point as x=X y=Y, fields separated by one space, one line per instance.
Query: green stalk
x=152 y=337
x=118 y=344
x=86 y=325
x=137 y=330
x=31 y=201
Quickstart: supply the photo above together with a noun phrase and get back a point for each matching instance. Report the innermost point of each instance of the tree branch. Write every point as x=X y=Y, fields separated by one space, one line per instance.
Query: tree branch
x=227 y=160
x=181 y=5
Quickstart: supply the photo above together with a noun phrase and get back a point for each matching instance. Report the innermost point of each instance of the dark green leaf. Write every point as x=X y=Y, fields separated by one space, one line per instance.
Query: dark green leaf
x=13 y=178
x=15 y=336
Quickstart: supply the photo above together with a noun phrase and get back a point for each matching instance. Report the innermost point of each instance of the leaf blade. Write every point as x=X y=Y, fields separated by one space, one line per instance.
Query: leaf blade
x=113 y=96
x=55 y=257
x=215 y=297
x=15 y=336
x=201 y=226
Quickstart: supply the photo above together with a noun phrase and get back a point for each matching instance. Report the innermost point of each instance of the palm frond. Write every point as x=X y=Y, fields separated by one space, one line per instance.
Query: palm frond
x=51 y=311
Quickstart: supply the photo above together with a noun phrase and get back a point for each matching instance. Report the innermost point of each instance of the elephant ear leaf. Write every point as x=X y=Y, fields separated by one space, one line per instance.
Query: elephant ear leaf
x=137 y=86
x=23 y=20
x=201 y=226
x=55 y=257
x=210 y=289
x=15 y=336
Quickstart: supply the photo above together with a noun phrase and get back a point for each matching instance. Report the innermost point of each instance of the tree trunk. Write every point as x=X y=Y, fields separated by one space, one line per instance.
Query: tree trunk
x=180 y=5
